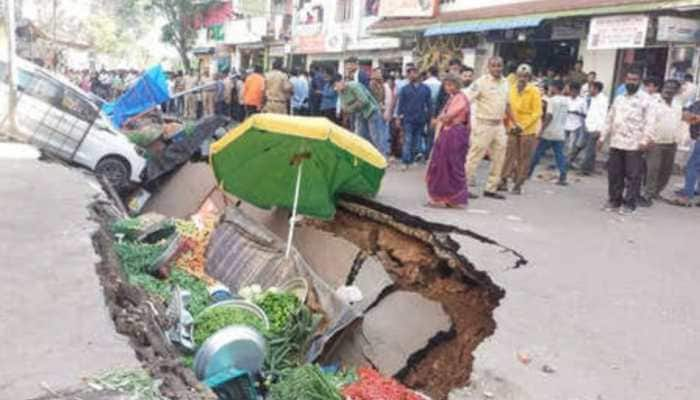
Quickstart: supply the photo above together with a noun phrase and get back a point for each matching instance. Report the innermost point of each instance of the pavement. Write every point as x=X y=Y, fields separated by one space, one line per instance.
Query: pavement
x=55 y=327
x=607 y=305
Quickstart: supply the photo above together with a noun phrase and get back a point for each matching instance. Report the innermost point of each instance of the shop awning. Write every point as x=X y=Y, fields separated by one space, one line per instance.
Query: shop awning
x=518 y=14
x=485 y=25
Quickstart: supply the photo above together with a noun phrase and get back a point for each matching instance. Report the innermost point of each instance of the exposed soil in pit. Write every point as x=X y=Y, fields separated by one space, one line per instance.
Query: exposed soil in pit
x=142 y=319
x=422 y=258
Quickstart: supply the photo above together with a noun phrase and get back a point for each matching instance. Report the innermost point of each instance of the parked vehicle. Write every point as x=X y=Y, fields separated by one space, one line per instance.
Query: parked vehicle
x=62 y=120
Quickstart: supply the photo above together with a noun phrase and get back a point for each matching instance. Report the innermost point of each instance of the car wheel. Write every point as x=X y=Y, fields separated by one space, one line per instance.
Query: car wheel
x=116 y=170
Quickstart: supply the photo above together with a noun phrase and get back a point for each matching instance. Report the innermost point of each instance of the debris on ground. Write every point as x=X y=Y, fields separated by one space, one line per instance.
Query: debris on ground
x=398 y=264
x=135 y=383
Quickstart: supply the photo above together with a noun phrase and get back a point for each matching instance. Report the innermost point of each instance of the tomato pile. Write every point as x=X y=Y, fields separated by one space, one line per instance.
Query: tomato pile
x=373 y=386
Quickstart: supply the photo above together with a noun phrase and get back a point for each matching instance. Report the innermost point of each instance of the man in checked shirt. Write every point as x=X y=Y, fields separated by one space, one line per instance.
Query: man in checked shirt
x=629 y=127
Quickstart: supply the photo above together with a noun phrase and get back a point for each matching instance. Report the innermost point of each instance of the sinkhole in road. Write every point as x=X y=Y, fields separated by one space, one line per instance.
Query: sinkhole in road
x=419 y=256
x=422 y=257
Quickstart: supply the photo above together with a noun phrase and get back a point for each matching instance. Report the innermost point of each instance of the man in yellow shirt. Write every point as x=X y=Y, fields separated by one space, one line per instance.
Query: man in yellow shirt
x=525 y=114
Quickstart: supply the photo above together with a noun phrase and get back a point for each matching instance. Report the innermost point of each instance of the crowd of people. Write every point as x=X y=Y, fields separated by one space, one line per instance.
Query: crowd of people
x=107 y=85
x=453 y=121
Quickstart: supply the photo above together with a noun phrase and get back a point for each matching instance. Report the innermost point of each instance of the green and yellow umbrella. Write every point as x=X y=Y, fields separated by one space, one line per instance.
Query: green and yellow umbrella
x=300 y=163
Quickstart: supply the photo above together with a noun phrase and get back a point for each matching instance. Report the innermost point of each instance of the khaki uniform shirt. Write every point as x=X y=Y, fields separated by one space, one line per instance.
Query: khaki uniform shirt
x=228 y=89
x=490 y=96
x=277 y=87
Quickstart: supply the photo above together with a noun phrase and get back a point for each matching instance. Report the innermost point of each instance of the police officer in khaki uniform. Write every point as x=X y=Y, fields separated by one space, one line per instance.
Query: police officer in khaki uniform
x=278 y=90
x=190 y=98
x=490 y=96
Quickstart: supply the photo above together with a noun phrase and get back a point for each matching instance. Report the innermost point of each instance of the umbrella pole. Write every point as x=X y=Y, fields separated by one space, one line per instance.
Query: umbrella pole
x=293 y=219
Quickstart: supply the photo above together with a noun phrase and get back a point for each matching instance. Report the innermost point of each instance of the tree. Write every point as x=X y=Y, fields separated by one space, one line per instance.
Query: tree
x=179 y=31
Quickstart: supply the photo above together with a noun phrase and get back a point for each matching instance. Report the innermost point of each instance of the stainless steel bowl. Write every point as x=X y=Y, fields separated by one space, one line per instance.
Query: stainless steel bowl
x=235 y=347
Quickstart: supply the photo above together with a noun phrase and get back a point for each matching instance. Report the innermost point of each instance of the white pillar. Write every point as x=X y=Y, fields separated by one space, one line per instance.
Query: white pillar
x=12 y=67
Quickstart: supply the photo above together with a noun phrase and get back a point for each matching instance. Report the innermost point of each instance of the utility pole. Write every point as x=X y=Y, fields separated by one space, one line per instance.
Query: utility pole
x=12 y=68
x=54 y=48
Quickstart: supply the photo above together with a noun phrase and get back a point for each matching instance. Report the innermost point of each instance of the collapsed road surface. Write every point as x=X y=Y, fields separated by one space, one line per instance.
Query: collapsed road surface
x=420 y=258
x=424 y=271
x=440 y=304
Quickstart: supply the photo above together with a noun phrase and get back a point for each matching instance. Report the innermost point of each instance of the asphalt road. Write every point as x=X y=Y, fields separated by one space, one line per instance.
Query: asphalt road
x=54 y=326
x=609 y=303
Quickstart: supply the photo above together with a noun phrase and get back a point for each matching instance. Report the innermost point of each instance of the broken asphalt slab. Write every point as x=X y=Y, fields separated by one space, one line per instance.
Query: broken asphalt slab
x=372 y=280
x=402 y=324
x=55 y=327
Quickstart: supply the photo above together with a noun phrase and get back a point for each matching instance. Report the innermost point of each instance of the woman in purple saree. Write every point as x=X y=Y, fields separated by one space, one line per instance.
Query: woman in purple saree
x=446 y=178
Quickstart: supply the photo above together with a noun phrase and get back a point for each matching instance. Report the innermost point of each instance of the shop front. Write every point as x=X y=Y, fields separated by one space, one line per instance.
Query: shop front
x=681 y=35
x=551 y=45
x=662 y=47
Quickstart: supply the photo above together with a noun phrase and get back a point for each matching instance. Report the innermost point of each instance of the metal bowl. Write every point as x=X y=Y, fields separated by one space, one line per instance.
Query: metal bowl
x=236 y=347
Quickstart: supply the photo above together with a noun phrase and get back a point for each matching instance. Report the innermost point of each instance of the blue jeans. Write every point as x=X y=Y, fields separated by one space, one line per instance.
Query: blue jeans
x=413 y=133
x=373 y=129
x=692 y=171
x=557 y=147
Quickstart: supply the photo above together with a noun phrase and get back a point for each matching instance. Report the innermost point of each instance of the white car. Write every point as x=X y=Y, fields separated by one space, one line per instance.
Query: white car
x=60 y=119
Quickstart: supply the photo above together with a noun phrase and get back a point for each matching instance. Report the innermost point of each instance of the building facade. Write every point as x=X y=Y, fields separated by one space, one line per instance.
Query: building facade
x=234 y=35
x=325 y=32
x=609 y=36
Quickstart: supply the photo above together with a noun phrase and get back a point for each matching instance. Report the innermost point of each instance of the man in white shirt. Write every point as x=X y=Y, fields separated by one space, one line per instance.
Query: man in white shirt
x=667 y=121
x=595 y=122
x=586 y=88
x=688 y=91
x=629 y=126
x=552 y=134
x=575 y=118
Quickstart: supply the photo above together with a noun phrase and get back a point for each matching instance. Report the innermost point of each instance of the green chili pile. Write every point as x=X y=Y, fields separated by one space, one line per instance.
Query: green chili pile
x=279 y=308
x=287 y=349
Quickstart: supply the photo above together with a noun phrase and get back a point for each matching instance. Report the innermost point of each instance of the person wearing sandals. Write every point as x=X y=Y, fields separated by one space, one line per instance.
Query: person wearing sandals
x=629 y=126
x=692 y=169
x=446 y=176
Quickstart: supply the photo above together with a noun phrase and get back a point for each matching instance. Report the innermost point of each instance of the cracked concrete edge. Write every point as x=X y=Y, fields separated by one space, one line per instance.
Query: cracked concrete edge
x=437 y=235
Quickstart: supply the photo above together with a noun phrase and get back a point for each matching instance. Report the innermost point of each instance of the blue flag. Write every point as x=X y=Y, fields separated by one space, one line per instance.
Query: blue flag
x=149 y=90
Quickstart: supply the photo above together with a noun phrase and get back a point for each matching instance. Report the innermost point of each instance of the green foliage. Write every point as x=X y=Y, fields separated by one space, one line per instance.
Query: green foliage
x=306 y=382
x=136 y=258
x=178 y=30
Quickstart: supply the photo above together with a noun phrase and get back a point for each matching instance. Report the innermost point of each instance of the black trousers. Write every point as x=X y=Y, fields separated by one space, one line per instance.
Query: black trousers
x=625 y=170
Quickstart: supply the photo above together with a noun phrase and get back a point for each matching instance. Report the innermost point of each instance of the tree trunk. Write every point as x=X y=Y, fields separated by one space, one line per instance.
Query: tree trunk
x=182 y=50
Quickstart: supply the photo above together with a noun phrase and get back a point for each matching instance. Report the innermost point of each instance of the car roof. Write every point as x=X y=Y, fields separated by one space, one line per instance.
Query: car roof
x=61 y=79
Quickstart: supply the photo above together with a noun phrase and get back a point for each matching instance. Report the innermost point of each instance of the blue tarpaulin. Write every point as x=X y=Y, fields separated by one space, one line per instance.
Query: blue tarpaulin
x=149 y=90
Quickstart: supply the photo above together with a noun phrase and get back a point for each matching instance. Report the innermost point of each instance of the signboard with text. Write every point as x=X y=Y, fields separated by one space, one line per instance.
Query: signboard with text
x=309 y=44
x=674 y=29
x=618 y=32
x=406 y=8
